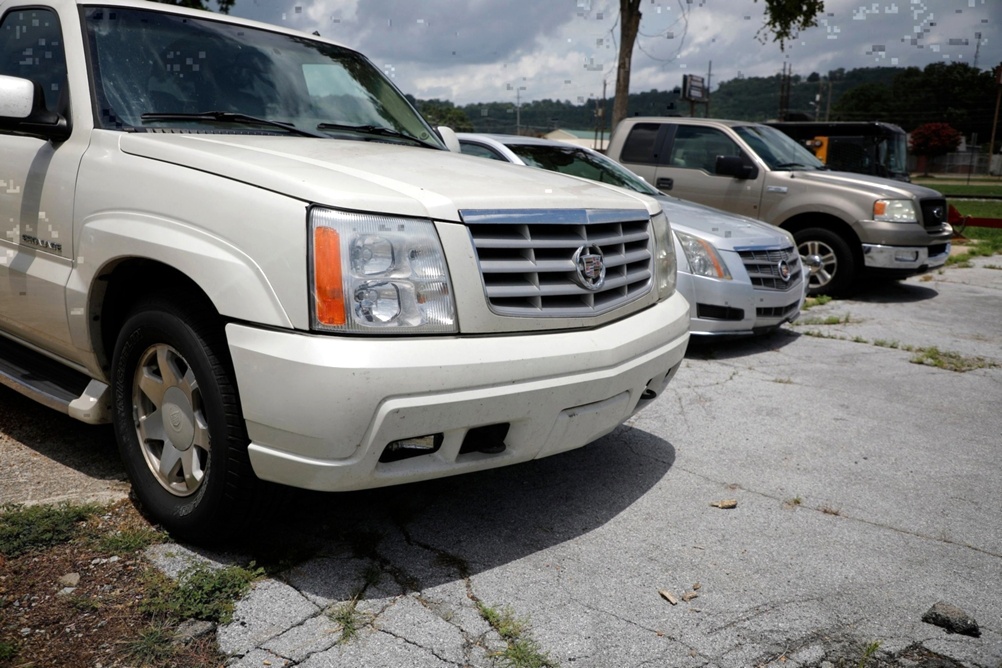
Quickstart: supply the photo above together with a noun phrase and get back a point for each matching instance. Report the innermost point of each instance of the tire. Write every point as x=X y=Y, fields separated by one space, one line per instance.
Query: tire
x=177 y=420
x=829 y=259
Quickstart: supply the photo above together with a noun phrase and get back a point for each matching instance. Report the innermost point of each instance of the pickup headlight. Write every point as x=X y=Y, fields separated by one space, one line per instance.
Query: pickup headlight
x=378 y=275
x=665 y=264
x=704 y=260
x=895 y=211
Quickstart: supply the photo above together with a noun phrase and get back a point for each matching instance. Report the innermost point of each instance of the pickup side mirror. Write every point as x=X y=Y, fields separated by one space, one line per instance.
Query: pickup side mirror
x=23 y=111
x=732 y=165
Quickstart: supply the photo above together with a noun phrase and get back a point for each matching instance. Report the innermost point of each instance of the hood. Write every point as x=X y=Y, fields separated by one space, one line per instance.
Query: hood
x=880 y=187
x=375 y=176
x=726 y=231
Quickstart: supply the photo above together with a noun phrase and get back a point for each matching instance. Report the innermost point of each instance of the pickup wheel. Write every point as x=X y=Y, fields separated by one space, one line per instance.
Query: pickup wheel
x=177 y=420
x=829 y=260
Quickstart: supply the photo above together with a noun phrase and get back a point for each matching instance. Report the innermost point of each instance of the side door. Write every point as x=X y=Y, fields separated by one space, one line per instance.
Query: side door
x=687 y=169
x=37 y=178
x=644 y=147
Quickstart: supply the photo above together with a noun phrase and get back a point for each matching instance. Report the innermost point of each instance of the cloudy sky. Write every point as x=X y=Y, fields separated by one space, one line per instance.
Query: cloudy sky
x=507 y=50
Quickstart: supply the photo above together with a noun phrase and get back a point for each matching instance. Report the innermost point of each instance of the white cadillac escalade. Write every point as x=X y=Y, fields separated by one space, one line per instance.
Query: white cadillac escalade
x=243 y=247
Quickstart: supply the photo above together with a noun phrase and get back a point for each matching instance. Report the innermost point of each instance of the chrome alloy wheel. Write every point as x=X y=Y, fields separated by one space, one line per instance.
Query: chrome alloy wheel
x=170 y=423
x=822 y=261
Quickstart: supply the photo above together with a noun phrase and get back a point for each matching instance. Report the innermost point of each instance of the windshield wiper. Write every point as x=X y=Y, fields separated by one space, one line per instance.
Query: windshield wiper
x=790 y=165
x=375 y=130
x=230 y=117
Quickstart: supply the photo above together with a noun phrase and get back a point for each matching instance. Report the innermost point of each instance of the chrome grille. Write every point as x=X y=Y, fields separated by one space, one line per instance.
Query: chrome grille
x=764 y=267
x=527 y=259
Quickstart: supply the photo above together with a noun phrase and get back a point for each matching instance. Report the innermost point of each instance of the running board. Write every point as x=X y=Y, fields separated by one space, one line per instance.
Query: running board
x=52 y=384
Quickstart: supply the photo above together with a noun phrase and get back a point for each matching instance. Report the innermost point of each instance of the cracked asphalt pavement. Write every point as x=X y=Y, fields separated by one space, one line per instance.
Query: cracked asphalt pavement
x=868 y=488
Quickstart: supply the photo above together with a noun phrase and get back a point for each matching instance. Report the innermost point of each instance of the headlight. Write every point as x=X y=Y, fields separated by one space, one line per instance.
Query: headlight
x=378 y=275
x=666 y=266
x=704 y=260
x=895 y=211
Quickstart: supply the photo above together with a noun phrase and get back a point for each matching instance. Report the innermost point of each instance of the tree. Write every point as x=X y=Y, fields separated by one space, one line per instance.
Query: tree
x=933 y=139
x=784 y=19
x=222 y=5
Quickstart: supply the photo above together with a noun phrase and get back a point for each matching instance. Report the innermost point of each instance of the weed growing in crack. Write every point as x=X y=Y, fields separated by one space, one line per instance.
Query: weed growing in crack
x=950 y=361
x=868 y=652
x=128 y=541
x=820 y=300
x=522 y=650
x=349 y=619
x=830 y=510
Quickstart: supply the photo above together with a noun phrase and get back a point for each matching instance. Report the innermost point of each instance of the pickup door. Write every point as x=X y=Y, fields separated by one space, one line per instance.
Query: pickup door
x=680 y=160
x=36 y=190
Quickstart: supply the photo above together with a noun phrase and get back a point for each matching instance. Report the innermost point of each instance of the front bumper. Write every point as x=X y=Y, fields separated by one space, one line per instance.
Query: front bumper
x=321 y=410
x=907 y=259
x=736 y=307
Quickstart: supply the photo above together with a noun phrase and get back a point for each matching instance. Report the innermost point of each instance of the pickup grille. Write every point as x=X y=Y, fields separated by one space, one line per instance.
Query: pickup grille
x=527 y=259
x=934 y=213
x=765 y=267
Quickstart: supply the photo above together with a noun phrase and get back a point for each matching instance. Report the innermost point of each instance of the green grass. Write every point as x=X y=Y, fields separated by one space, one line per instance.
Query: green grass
x=154 y=645
x=522 y=650
x=973 y=189
x=200 y=592
x=128 y=541
x=978 y=208
x=349 y=620
x=868 y=653
x=820 y=300
x=8 y=650
x=32 y=528
x=944 y=359
x=987 y=242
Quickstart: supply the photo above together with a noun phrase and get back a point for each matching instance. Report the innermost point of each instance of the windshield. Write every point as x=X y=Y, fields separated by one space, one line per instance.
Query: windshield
x=581 y=162
x=777 y=149
x=169 y=66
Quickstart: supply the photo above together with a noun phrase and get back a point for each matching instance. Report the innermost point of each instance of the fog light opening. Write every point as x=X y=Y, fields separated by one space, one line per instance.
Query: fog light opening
x=415 y=446
x=488 y=439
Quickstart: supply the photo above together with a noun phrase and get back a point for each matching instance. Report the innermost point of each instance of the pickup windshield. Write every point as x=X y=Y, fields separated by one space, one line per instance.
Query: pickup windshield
x=154 y=71
x=778 y=149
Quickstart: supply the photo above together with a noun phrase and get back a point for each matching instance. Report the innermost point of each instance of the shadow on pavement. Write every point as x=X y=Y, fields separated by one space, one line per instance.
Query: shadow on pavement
x=894 y=292
x=439 y=531
x=716 y=348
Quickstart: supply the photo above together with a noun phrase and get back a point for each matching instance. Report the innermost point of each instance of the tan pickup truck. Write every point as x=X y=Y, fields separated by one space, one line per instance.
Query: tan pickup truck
x=846 y=225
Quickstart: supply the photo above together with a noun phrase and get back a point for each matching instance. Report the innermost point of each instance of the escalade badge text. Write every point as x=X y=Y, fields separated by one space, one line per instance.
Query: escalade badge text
x=590 y=266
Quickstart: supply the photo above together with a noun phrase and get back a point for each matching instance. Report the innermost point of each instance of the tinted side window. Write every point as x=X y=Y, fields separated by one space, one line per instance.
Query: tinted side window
x=479 y=151
x=641 y=144
x=31 y=47
x=698 y=147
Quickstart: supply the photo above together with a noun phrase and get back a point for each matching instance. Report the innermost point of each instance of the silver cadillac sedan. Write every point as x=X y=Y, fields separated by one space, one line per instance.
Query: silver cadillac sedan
x=741 y=276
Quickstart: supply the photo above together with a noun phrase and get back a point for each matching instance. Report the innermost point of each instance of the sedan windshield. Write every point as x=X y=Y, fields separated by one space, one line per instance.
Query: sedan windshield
x=581 y=162
x=778 y=149
x=155 y=70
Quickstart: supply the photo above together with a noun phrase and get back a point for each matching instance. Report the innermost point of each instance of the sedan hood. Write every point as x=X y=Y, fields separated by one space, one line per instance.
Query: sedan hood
x=377 y=176
x=725 y=230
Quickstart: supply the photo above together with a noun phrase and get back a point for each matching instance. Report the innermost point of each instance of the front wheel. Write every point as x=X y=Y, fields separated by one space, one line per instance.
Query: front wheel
x=829 y=260
x=177 y=420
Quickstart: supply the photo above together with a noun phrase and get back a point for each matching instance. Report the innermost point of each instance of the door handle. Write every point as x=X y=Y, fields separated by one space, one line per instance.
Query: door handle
x=664 y=183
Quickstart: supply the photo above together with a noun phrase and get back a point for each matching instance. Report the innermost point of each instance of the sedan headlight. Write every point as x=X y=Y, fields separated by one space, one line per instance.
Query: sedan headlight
x=378 y=275
x=666 y=266
x=895 y=211
x=704 y=259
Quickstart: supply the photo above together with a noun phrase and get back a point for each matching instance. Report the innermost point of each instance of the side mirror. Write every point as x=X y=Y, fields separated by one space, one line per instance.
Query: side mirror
x=448 y=135
x=732 y=165
x=23 y=111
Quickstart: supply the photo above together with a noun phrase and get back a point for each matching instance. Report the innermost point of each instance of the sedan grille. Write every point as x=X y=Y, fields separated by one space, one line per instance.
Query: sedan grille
x=547 y=263
x=766 y=268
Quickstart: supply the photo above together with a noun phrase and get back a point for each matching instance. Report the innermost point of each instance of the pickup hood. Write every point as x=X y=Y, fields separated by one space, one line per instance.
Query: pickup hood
x=377 y=176
x=724 y=230
x=881 y=188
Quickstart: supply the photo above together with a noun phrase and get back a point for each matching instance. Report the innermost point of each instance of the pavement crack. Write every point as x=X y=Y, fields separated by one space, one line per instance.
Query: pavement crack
x=420 y=646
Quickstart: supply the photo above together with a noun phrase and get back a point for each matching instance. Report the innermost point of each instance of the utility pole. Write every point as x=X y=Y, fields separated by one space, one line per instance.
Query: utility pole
x=995 y=121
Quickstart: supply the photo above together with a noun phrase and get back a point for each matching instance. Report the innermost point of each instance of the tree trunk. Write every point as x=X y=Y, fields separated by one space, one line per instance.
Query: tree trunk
x=629 y=24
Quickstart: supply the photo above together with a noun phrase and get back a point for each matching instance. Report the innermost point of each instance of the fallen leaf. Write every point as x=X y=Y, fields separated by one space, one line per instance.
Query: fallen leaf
x=689 y=595
x=668 y=596
x=725 y=504
x=696 y=586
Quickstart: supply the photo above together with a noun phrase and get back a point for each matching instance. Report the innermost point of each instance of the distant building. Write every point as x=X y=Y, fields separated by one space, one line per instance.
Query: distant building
x=587 y=138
